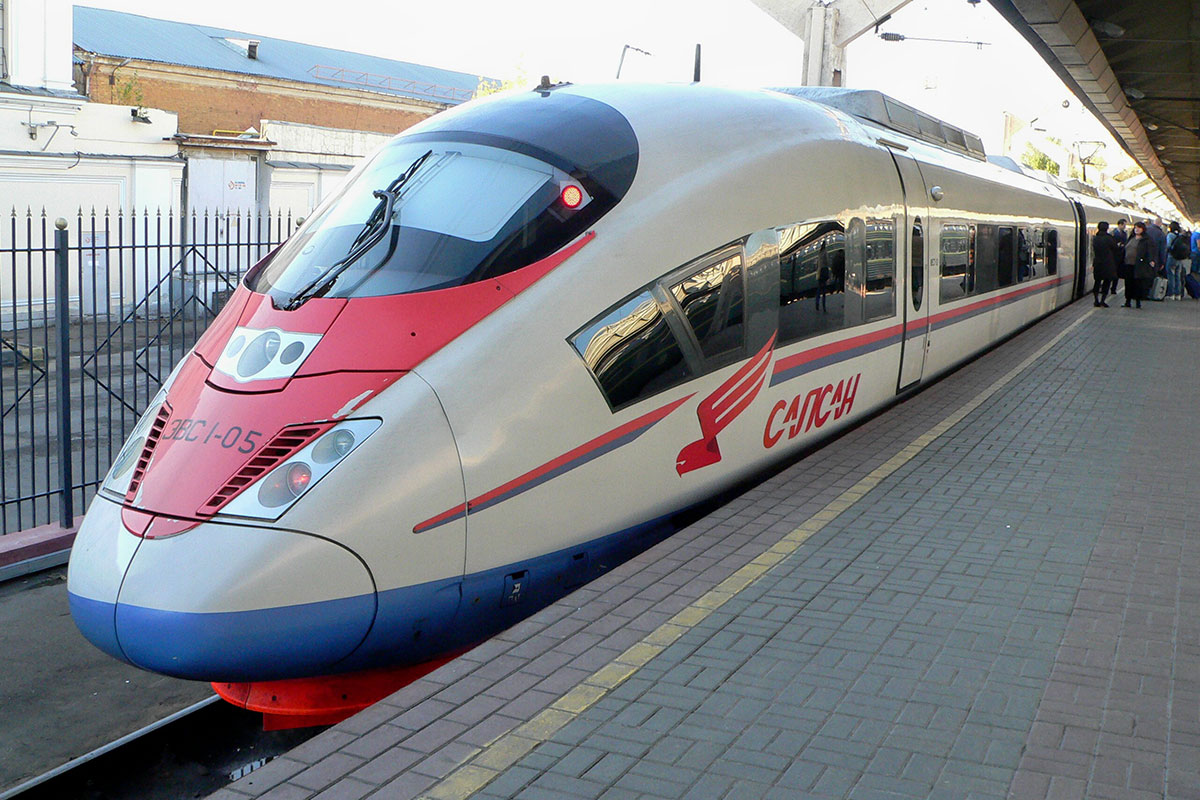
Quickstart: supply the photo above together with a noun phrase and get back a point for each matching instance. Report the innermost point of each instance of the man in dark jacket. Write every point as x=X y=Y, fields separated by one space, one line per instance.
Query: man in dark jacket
x=1106 y=255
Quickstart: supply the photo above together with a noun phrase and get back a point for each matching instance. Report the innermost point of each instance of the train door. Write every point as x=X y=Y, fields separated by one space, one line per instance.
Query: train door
x=914 y=279
x=1082 y=251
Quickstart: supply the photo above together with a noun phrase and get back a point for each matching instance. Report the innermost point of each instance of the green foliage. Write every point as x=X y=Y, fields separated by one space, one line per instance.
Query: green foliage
x=1032 y=157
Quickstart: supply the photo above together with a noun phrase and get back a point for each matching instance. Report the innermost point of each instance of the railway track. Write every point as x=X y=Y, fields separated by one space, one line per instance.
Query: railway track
x=190 y=754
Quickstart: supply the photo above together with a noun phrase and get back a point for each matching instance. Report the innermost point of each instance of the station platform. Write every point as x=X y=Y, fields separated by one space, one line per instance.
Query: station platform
x=990 y=590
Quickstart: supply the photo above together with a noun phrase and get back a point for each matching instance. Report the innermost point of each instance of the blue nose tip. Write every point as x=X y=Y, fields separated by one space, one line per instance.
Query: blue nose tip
x=97 y=622
x=263 y=644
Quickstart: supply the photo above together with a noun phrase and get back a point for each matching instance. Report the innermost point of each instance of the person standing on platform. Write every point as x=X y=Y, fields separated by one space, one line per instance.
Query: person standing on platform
x=1158 y=241
x=1121 y=234
x=1139 y=265
x=1179 y=260
x=1106 y=255
x=1196 y=250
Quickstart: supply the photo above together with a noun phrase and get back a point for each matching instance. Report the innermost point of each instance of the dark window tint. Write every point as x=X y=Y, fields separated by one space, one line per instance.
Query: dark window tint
x=812 y=280
x=879 y=301
x=1039 y=253
x=1051 y=252
x=713 y=299
x=631 y=351
x=917 y=265
x=1006 y=254
x=985 y=258
x=956 y=261
x=1024 y=254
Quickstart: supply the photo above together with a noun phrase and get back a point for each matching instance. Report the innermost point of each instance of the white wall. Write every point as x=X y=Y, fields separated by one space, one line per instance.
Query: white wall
x=38 y=43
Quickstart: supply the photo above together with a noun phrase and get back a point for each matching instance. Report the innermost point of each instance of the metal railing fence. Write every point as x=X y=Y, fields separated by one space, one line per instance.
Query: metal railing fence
x=94 y=313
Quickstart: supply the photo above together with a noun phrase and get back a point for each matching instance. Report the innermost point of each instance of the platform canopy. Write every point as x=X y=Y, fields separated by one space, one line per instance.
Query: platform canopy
x=1136 y=65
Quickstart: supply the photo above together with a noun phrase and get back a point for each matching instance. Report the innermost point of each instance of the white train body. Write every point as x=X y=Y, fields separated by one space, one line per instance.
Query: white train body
x=675 y=345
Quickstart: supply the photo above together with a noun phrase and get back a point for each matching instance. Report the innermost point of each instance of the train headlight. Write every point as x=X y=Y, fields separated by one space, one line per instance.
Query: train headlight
x=276 y=491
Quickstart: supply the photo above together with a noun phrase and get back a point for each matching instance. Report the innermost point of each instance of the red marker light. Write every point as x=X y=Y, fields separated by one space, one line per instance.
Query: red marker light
x=572 y=196
x=298 y=476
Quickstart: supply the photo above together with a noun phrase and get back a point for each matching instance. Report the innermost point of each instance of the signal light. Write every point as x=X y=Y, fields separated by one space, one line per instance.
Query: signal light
x=298 y=476
x=572 y=196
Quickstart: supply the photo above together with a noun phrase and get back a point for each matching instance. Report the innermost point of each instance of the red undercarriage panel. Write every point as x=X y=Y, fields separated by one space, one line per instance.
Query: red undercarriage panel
x=326 y=700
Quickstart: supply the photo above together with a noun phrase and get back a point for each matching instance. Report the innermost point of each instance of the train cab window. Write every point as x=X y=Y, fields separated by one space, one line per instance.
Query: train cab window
x=631 y=351
x=812 y=279
x=1024 y=254
x=1051 y=251
x=713 y=301
x=1006 y=255
x=957 y=257
x=916 y=270
x=879 y=298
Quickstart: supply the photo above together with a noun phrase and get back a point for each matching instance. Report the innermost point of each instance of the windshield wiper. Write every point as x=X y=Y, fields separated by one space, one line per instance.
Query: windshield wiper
x=372 y=232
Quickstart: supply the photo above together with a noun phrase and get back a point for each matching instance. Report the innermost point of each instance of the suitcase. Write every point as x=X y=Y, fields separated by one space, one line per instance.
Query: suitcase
x=1159 y=290
x=1192 y=284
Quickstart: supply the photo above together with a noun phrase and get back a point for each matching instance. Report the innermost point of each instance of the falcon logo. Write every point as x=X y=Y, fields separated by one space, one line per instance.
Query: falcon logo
x=721 y=408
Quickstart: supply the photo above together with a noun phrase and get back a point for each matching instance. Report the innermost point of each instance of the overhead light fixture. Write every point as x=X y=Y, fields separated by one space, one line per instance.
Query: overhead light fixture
x=1135 y=94
x=1151 y=126
x=1160 y=147
x=1108 y=30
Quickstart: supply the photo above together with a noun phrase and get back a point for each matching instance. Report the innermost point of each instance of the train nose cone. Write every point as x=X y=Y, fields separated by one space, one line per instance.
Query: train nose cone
x=99 y=557
x=226 y=602
x=240 y=603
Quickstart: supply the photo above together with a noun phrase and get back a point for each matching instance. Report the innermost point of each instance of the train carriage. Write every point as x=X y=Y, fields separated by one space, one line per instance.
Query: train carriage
x=525 y=333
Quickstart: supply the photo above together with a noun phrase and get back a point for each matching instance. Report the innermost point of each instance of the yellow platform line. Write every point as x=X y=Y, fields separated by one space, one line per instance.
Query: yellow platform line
x=509 y=748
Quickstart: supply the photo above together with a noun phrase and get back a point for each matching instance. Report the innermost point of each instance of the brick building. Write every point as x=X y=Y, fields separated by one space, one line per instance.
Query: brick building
x=263 y=122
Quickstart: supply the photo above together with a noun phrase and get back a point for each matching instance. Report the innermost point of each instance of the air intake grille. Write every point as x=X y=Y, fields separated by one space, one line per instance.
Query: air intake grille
x=285 y=444
x=139 y=472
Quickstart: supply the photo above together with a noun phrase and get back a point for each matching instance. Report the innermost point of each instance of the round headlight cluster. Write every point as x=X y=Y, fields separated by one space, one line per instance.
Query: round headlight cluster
x=290 y=480
x=258 y=354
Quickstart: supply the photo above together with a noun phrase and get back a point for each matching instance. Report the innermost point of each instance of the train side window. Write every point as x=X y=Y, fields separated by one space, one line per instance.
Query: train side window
x=1039 y=253
x=916 y=272
x=954 y=254
x=631 y=351
x=880 y=298
x=713 y=301
x=1024 y=254
x=985 y=258
x=812 y=280
x=1006 y=255
x=1051 y=251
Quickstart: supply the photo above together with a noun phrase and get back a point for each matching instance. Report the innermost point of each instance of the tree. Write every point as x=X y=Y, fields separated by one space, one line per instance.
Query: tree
x=1032 y=157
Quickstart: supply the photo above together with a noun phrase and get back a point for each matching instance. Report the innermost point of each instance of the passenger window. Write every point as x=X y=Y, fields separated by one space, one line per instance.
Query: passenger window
x=812 y=280
x=631 y=351
x=954 y=253
x=1039 y=253
x=1006 y=254
x=713 y=300
x=1051 y=252
x=985 y=258
x=1024 y=254
x=880 y=298
x=917 y=265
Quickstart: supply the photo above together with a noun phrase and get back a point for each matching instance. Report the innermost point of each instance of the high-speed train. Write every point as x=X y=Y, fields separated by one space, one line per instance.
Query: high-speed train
x=526 y=331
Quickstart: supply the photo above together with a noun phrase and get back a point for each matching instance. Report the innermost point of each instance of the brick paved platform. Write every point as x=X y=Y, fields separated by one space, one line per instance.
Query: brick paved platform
x=992 y=590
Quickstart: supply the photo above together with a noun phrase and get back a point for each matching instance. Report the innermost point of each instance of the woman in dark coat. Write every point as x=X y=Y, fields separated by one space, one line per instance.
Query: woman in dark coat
x=1106 y=255
x=1139 y=261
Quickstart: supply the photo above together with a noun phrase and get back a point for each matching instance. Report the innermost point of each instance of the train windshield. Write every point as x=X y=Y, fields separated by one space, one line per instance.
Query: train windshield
x=430 y=214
